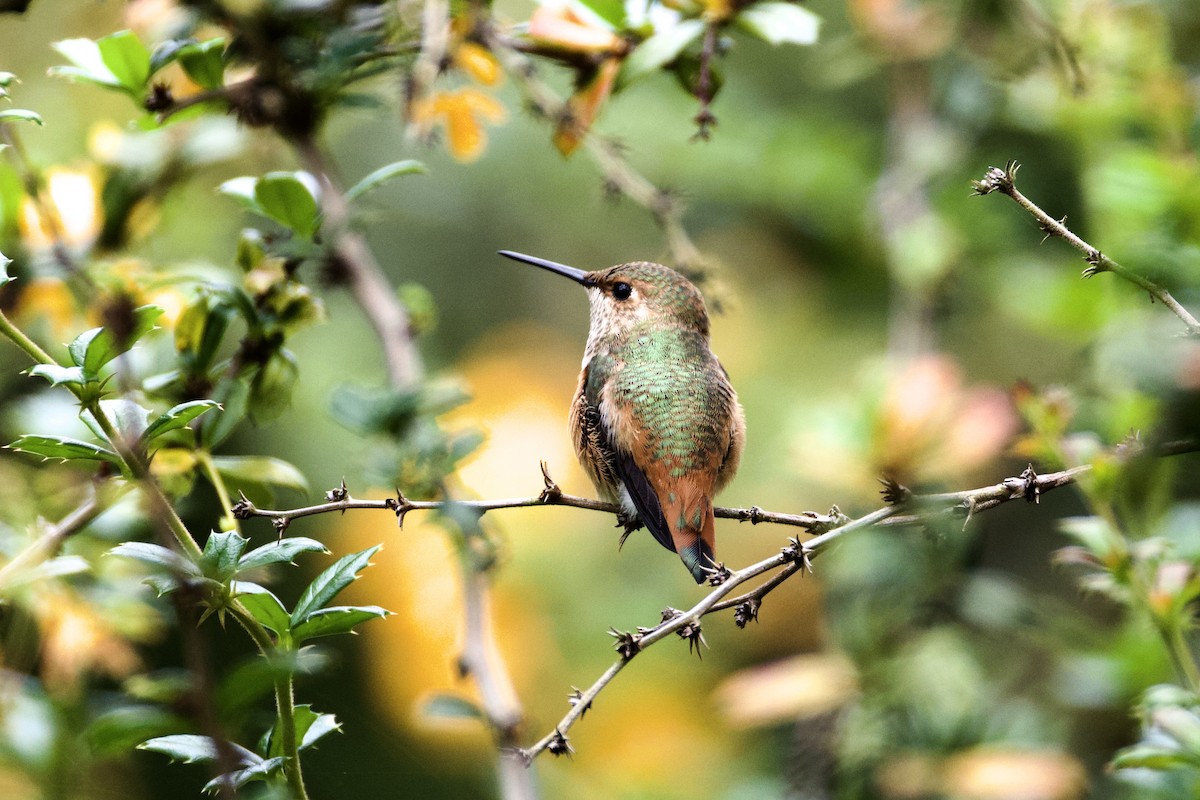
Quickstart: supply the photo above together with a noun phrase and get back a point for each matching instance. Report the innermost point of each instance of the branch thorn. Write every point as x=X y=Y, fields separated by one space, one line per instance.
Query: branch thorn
x=559 y=745
x=746 y=611
x=575 y=698
x=338 y=493
x=627 y=644
x=243 y=508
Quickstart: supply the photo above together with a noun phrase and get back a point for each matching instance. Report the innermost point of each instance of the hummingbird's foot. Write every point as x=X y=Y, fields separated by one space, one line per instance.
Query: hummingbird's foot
x=630 y=522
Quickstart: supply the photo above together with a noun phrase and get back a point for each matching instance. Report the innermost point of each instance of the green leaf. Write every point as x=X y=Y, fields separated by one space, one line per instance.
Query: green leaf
x=166 y=52
x=1181 y=725
x=262 y=470
x=204 y=62
x=384 y=174
x=242 y=190
x=449 y=706
x=102 y=345
x=189 y=748
x=320 y=726
x=221 y=553
x=325 y=586
x=309 y=725
x=611 y=11
x=780 y=23
x=157 y=556
x=660 y=49
x=287 y=199
x=178 y=417
x=271 y=388
x=127 y=59
x=215 y=428
x=87 y=64
x=282 y=551
x=127 y=416
x=59 y=375
x=263 y=605
x=1145 y=756
x=334 y=620
x=63 y=447
x=119 y=730
x=21 y=115
x=255 y=772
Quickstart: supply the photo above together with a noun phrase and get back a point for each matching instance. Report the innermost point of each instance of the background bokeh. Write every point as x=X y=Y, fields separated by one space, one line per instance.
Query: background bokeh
x=873 y=317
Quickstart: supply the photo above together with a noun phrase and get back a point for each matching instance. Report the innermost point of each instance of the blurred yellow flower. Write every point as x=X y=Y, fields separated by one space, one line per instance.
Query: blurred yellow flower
x=479 y=63
x=77 y=640
x=49 y=299
x=71 y=215
x=463 y=113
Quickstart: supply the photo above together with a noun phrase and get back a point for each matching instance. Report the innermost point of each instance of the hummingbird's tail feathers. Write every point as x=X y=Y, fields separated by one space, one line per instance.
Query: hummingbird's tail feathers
x=689 y=512
x=698 y=558
x=645 y=500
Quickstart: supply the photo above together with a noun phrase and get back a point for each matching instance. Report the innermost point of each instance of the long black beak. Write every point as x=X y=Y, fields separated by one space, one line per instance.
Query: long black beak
x=578 y=275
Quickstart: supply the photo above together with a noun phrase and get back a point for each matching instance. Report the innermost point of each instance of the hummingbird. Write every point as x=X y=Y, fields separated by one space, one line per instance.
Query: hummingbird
x=655 y=422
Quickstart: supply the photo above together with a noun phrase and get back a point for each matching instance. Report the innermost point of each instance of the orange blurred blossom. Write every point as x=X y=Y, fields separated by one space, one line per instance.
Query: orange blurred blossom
x=462 y=112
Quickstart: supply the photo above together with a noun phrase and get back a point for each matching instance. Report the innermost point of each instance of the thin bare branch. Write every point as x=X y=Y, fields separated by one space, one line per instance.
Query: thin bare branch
x=909 y=509
x=1004 y=181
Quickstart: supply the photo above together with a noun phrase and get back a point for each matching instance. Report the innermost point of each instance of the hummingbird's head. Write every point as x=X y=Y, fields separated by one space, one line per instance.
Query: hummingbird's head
x=629 y=294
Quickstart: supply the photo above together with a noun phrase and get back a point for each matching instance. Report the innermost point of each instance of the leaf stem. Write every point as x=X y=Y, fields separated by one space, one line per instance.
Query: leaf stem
x=285 y=701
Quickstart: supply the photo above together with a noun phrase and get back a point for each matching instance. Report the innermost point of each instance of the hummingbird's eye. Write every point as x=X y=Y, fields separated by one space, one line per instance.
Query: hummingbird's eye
x=622 y=290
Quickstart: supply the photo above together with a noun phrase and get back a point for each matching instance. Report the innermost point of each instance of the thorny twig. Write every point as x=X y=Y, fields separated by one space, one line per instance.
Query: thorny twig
x=904 y=508
x=1004 y=181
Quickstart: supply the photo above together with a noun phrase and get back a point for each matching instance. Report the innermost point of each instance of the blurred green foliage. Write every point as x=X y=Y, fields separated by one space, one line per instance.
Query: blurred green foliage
x=179 y=265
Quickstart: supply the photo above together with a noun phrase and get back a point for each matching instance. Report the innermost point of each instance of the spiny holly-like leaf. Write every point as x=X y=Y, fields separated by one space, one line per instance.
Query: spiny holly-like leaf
x=260 y=470
x=221 y=553
x=335 y=620
x=239 y=778
x=286 y=198
x=94 y=348
x=325 y=586
x=282 y=551
x=190 y=748
x=383 y=175
x=59 y=375
x=22 y=115
x=178 y=417
x=158 y=556
x=63 y=447
x=310 y=727
x=263 y=605
x=780 y=23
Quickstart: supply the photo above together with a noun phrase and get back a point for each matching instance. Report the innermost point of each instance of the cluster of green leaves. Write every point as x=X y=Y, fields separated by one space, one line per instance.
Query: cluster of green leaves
x=221 y=577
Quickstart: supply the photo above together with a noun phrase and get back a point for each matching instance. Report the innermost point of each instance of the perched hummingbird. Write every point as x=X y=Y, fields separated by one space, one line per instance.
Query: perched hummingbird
x=655 y=422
